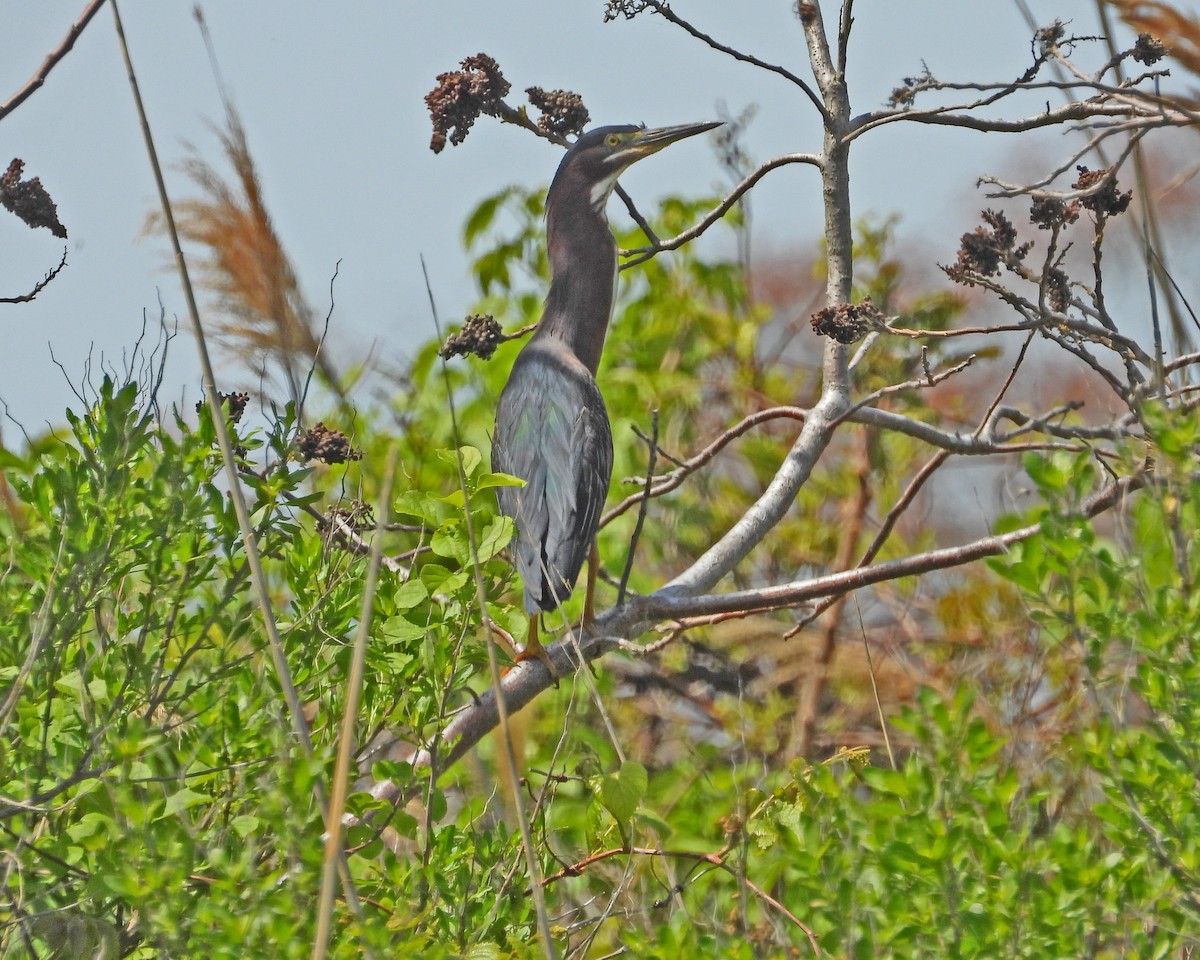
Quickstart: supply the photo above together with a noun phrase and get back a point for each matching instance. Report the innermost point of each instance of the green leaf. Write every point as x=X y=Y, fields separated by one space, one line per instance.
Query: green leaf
x=482 y=216
x=450 y=541
x=763 y=830
x=91 y=825
x=10 y=461
x=621 y=792
x=409 y=594
x=181 y=800
x=399 y=630
x=439 y=579
x=415 y=503
x=486 y=480
x=73 y=683
x=471 y=458
x=496 y=536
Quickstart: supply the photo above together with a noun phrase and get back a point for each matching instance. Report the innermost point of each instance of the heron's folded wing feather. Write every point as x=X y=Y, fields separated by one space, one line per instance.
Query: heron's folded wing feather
x=552 y=431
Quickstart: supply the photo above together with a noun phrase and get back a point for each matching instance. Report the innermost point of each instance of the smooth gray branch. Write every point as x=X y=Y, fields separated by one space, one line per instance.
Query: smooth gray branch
x=969 y=444
x=775 y=501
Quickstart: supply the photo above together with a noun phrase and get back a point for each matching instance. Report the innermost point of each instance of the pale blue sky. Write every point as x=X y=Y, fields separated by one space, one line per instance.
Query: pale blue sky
x=332 y=100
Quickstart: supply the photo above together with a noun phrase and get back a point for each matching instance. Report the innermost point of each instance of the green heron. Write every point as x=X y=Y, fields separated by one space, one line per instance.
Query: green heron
x=552 y=427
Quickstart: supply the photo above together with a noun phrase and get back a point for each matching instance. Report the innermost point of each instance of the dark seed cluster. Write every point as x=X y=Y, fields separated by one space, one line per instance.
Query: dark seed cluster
x=1051 y=212
x=1148 y=49
x=623 y=8
x=461 y=96
x=235 y=403
x=903 y=95
x=1058 y=290
x=29 y=200
x=563 y=112
x=985 y=250
x=480 y=335
x=846 y=322
x=329 y=446
x=1051 y=34
x=1108 y=199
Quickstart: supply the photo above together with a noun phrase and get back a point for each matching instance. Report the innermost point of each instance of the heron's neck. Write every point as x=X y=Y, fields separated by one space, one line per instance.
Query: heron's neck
x=583 y=268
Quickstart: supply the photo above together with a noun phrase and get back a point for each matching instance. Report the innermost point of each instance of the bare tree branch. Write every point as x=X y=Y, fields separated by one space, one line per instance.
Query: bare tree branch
x=52 y=60
x=41 y=284
x=666 y=482
x=642 y=254
x=951 y=441
x=668 y=14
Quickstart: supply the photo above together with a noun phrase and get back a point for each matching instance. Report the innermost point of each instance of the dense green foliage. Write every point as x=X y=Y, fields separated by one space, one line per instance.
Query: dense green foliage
x=154 y=801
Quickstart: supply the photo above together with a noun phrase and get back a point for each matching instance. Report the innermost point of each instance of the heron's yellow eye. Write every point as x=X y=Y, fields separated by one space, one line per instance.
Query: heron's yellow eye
x=613 y=140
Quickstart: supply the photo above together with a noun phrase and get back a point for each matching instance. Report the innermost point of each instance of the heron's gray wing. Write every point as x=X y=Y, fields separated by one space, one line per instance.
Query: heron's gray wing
x=552 y=431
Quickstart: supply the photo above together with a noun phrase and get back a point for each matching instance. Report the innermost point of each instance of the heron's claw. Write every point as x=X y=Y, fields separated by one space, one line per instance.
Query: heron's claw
x=535 y=651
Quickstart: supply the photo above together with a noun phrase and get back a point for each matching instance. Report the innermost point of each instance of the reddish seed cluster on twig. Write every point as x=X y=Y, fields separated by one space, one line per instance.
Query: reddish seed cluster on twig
x=1058 y=290
x=563 y=112
x=29 y=200
x=480 y=335
x=904 y=95
x=846 y=322
x=326 y=445
x=461 y=96
x=1108 y=200
x=1051 y=212
x=985 y=250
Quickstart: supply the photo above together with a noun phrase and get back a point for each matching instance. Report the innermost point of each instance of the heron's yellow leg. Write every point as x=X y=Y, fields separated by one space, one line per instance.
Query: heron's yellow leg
x=589 y=597
x=534 y=649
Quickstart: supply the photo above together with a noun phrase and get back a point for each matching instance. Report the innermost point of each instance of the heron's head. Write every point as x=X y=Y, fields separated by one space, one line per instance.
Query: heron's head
x=601 y=155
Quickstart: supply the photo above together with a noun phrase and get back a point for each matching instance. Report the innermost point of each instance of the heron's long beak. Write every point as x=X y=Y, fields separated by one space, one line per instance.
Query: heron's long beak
x=646 y=142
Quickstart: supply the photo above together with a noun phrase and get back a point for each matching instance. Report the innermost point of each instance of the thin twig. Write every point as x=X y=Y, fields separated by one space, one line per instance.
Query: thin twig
x=716 y=859
x=665 y=483
x=52 y=60
x=642 y=254
x=641 y=517
x=667 y=13
x=41 y=284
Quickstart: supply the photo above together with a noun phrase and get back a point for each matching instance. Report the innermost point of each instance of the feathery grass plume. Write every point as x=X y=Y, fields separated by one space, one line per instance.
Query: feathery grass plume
x=263 y=314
